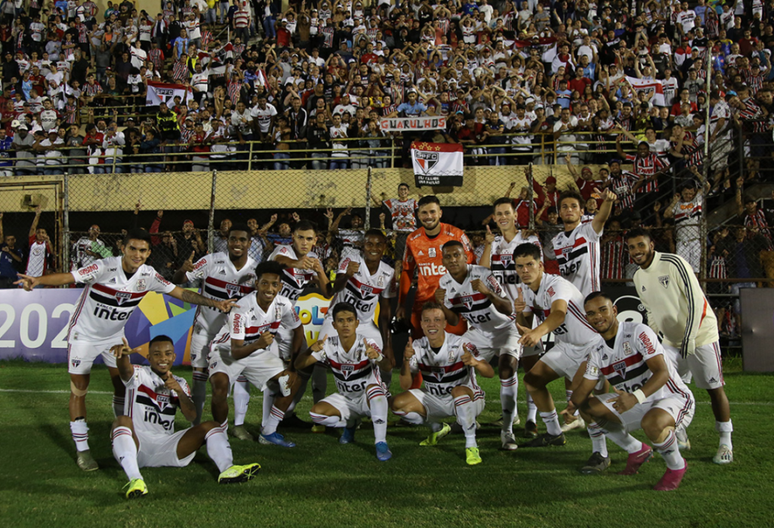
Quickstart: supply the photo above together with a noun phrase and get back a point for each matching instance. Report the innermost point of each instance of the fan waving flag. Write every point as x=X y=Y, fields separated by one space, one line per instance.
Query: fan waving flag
x=437 y=164
x=649 y=86
x=165 y=92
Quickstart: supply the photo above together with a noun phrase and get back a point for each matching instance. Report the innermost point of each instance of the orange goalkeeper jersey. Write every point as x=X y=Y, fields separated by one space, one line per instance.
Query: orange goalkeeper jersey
x=424 y=252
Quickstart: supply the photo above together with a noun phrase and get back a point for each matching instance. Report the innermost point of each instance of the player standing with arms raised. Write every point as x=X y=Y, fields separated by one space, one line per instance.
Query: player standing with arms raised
x=471 y=292
x=678 y=309
x=114 y=288
x=224 y=275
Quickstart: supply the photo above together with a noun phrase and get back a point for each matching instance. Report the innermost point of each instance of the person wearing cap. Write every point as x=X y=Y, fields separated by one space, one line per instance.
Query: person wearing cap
x=22 y=145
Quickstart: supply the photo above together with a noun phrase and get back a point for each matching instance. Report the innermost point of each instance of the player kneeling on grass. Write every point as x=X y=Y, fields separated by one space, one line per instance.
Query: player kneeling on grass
x=649 y=394
x=355 y=361
x=147 y=437
x=247 y=346
x=448 y=364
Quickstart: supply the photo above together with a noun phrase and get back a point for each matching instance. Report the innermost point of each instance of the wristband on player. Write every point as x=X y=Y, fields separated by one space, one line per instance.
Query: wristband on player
x=640 y=396
x=379 y=358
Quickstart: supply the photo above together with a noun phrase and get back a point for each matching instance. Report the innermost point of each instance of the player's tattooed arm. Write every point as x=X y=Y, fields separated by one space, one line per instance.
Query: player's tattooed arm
x=194 y=298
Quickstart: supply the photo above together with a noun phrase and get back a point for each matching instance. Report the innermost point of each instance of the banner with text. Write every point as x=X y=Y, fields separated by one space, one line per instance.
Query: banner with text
x=402 y=124
x=165 y=93
x=437 y=164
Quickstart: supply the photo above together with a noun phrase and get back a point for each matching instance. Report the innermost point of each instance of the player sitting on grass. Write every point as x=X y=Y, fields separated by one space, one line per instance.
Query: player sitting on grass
x=448 y=364
x=649 y=394
x=355 y=361
x=147 y=437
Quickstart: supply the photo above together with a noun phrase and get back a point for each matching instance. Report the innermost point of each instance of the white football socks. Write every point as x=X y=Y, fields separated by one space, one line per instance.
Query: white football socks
x=327 y=421
x=551 y=419
x=597 y=435
x=125 y=452
x=508 y=389
x=463 y=407
x=199 y=393
x=377 y=401
x=671 y=453
x=725 y=429
x=80 y=432
x=272 y=421
x=531 y=409
x=118 y=406
x=241 y=396
x=218 y=448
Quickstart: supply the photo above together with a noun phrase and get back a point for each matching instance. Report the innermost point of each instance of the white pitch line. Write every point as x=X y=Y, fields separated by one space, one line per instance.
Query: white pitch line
x=761 y=403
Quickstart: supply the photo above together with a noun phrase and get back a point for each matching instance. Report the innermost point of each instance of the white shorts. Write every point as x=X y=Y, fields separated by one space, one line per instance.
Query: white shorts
x=680 y=409
x=490 y=345
x=160 y=450
x=349 y=408
x=81 y=354
x=367 y=329
x=257 y=369
x=565 y=359
x=704 y=365
x=200 y=348
x=439 y=407
x=533 y=350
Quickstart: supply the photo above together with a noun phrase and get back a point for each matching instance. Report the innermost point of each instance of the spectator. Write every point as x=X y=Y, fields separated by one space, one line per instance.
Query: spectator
x=11 y=258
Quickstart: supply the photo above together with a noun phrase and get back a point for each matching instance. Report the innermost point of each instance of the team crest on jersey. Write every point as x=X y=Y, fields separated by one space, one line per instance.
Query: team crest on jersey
x=506 y=260
x=620 y=367
x=566 y=251
x=367 y=289
x=122 y=297
x=141 y=284
x=162 y=399
x=232 y=290
x=467 y=301
x=664 y=280
x=347 y=370
x=76 y=362
x=438 y=372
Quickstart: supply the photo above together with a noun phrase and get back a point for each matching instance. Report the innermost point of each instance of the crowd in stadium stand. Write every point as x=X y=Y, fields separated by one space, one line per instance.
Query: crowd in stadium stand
x=565 y=82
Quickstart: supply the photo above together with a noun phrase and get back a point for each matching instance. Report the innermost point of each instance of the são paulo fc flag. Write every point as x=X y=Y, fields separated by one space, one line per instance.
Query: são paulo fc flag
x=437 y=163
x=165 y=93
x=649 y=86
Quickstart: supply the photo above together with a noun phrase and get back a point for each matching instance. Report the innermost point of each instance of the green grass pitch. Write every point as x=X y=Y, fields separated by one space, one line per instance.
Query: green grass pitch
x=321 y=483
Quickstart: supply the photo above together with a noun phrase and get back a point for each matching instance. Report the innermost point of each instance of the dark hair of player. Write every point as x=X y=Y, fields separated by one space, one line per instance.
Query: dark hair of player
x=575 y=195
x=638 y=232
x=526 y=250
x=239 y=227
x=431 y=305
x=428 y=200
x=137 y=234
x=597 y=294
x=160 y=339
x=305 y=225
x=343 y=307
x=403 y=185
x=451 y=244
x=376 y=233
x=271 y=267
x=502 y=201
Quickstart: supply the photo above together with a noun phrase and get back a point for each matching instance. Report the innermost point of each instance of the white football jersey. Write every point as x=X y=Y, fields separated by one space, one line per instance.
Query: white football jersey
x=578 y=256
x=110 y=297
x=81 y=258
x=352 y=240
x=442 y=370
x=352 y=370
x=688 y=219
x=364 y=290
x=149 y=403
x=501 y=261
x=575 y=330
x=625 y=365
x=475 y=307
x=247 y=321
x=293 y=279
x=221 y=280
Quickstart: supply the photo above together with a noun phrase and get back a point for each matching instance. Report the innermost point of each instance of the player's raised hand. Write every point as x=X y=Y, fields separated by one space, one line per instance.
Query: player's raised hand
x=328 y=214
x=306 y=262
x=469 y=359
x=273 y=218
x=607 y=195
x=489 y=236
x=188 y=265
x=440 y=295
x=123 y=349
x=266 y=339
x=320 y=343
x=225 y=305
x=371 y=351
x=409 y=351
x=529 y=337
x=623 y=401
x=27 y=282
x=519 y=305
x=172 y=384
x=352 y=268
x=480 y=286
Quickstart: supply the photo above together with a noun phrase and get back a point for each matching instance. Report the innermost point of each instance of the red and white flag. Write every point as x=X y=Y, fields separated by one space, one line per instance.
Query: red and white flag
x=165 y=92
x=437 y=163
x=649 y=86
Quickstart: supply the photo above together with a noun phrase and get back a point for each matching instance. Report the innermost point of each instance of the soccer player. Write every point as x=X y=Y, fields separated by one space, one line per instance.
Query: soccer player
x=558 y=305
x=226 y=275
x=423 y=252
x=577 y=253
x=363 y=281
x=678 y=309
x=355 y=361
x=303 y=267
x=649 y=394
x=247 y=346
x=146 y=436
x=498 y=257
x=450 y=364
x=472 y=292
x=114 y=288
